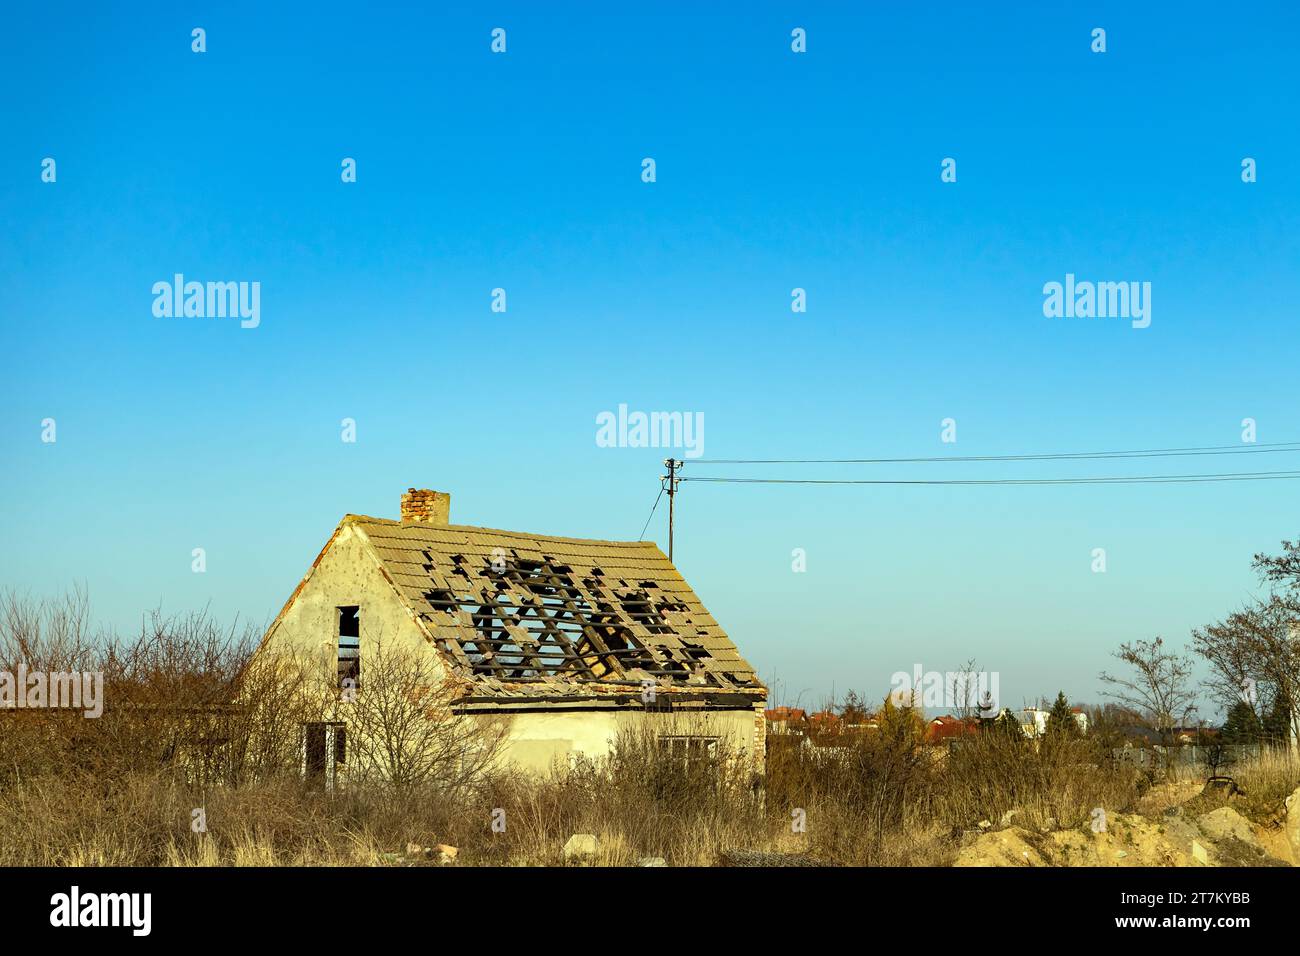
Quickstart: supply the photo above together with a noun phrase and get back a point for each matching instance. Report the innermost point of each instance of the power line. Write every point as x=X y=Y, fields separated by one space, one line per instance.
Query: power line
x=641 y=536
x=1135 y=479
x=671 y=478
x=1138 y=453
x=1271 y=448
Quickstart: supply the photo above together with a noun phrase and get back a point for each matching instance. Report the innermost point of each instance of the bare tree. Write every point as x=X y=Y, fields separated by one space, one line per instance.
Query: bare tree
x=1283 y=569
x=1160 y=689
x=169 y=694
x=1255 y=658
x=965 y=690
x=1254 y=654
x=404 y=730
x=1234 y=663
x=49 y=635
x=272 y=710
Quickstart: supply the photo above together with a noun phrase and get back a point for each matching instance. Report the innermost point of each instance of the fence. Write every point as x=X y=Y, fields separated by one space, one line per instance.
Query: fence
x=1189 y=757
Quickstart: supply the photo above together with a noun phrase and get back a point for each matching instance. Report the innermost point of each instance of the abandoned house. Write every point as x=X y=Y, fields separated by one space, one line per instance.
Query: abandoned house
x=562 y=642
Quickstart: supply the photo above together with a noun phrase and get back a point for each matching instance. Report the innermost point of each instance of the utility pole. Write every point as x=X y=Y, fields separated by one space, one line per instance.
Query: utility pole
x=672 y=465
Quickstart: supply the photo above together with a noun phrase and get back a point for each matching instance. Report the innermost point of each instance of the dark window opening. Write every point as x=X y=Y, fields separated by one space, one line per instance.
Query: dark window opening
x=324 y=752
x=314 y=742
x=350 y=621
x=349 y=648
x=689 y=751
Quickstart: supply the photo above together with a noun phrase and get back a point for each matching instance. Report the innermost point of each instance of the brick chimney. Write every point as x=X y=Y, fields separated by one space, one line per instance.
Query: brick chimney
x=430 y=507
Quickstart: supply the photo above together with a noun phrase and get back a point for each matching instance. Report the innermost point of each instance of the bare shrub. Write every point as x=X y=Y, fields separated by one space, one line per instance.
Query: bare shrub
x=861 y=798
x=1055 y=780
x=402 y=731
x=1159 y=689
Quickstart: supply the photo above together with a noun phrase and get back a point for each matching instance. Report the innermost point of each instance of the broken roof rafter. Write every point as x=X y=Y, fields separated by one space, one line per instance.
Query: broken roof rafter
x=517 y=614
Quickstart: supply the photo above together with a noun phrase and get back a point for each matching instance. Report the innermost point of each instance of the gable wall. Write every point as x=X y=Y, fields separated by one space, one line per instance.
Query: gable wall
x=346 y=574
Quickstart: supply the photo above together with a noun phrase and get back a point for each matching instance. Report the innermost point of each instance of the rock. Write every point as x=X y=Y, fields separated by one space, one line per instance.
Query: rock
x=1221 y=837
x=1237 y=853
x=580 y=848
x=984 y=824
x=1226 y=823
x=1233 y=840
x=652 y=861
x=1010 y=847
x=445 y=854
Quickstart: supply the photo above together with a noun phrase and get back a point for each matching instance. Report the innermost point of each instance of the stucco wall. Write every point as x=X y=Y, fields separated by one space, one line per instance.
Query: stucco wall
x=347 y=574
x=535 y=741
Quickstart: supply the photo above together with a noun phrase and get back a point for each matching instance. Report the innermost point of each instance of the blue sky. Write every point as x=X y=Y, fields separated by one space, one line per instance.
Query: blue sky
x=775 y=170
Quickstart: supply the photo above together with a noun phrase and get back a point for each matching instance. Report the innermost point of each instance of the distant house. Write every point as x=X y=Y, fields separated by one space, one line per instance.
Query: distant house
x=946 y=727
x=1195 y=735
x=1080 y=718
x=1136 y=734
x=865 y=724
x=1034 y=720
x=566 y=641
x=822 y=728
x=825 y=723
x=786 y=720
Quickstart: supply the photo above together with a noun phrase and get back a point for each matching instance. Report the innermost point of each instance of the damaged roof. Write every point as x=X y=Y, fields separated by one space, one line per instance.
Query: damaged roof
x=536 y=616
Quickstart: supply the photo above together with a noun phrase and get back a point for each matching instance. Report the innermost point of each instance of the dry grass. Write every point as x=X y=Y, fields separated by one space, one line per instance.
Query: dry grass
x=1266 y=782
x=123 y=789
x=1054 y=783
x=873 y=804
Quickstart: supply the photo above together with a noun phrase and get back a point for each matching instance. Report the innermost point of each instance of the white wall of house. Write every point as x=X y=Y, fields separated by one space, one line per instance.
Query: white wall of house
x=539 y=741
x=1035 y=721
x=346 y=574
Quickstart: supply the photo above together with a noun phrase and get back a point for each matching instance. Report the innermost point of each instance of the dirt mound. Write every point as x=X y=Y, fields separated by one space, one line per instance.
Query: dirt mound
x=1220 y=837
